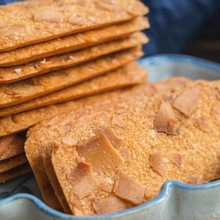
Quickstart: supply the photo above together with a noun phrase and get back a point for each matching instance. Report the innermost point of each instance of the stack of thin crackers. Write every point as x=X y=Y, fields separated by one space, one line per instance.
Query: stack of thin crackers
x=54 y=52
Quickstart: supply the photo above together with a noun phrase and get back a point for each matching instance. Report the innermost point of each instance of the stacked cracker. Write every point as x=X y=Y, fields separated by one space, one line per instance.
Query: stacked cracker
x=54 y=52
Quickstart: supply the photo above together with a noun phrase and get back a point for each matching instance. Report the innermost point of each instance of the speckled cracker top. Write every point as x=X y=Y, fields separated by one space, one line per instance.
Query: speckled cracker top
x=26 y=23
x=123 y=159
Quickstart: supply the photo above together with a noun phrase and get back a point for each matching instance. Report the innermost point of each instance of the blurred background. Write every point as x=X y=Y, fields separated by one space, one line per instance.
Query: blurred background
x=182 y=26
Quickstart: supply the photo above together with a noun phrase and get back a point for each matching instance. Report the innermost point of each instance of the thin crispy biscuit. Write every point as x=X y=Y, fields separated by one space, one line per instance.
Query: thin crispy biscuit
x=58 y=198
x=24 y=24
x=12 y=74
x=22 y=121
x=28 y=89
x=12 y=162
x=16 y=172
x=11 y=146
x=41 y=134
x=130 y=165
x=71 y=43
x=128 y=75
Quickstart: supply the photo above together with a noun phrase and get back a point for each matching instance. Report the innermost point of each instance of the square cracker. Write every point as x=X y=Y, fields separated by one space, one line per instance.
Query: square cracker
x=23 y=23
x=71 y=42
x=133 y=139
x=28 y=89
x=39 y=67
x=126 y=76
x=40 y=136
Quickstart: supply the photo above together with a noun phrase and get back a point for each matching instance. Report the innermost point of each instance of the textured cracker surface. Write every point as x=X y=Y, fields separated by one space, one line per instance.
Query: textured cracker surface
x=196 y=143
x=71 y=43
x=25 y=90
x=128 y=75
x=26 y=23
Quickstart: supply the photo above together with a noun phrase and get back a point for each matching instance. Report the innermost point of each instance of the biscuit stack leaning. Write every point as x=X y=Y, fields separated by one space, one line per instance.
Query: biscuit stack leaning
x=54 y=52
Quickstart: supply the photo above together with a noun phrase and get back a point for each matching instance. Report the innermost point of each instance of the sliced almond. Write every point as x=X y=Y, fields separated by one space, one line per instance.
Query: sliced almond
x=78 y=20
x=15 y=29
x=187 y=101
x=109 y=205
x=176 y=158
x=100 y=153
x=115 y=140
x=48 y=16
x=203 y=123
x=128 y=189
x=125 y=153
x=116 y=120
x=82 y=180
x=165 y=120
x=157 y=164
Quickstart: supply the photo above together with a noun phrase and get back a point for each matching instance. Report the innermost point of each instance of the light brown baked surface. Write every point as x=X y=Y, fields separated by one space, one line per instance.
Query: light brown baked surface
x=41 y=135
x=17 y=73
x=123 y=159
x=12 y=162
x=70 y=43
x=25 y=23
x=38 y=146
x=16 y=172
x=11 y=146
x=28 y=89
x=126 y=76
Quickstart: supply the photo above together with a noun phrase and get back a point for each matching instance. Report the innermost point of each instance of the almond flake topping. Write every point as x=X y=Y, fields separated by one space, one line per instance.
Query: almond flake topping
x=157 y=163
x=82 y=180
x=165 y=120
x=16 y=29
x=128 y=189
x=78 y=20
x=187 y=101
x=48 y=16
x=116 y=120
x=115 y=140
x=176 y=158
x=109 y=205
x=203 y=123
x=101 y=154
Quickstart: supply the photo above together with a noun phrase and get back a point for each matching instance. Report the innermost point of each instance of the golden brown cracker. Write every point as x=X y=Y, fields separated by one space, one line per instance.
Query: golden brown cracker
x=28 y=89
x=12 y=162
x=120 y=156
x=53 y=183
x=17 y=73
x=22 y=121
x=11 y=146
x=70 y=43
x=40 y=136
x=24 y=24
x=16 y=172
x=128 y=75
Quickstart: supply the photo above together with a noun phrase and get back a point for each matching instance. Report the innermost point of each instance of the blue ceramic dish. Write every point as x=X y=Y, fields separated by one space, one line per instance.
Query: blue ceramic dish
x=20 y=199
